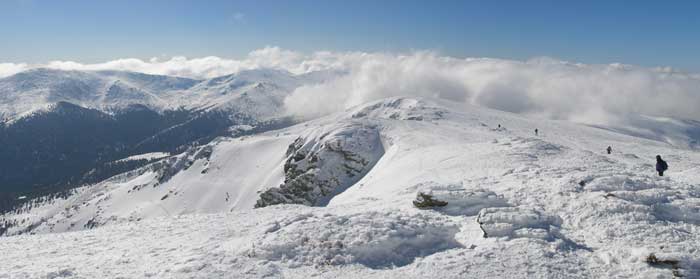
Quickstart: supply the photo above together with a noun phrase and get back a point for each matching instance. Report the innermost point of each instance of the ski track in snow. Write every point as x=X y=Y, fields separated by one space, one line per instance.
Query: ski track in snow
x=550 y=206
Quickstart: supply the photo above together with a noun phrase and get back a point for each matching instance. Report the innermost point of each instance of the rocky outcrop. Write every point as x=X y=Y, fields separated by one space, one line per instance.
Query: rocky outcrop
x=318 y=168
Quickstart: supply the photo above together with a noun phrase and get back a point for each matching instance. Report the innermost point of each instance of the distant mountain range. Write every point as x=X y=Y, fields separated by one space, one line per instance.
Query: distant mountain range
x=62 y=129
x=36 y=90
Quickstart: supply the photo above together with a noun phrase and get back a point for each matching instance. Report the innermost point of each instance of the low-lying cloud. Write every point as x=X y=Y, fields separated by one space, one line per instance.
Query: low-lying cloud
x=542 y=87
x=8 y=69
x=198 y=68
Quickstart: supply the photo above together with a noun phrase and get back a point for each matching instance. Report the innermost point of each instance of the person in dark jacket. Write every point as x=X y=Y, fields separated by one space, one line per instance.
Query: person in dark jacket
x=609 y=149
x=661 y=165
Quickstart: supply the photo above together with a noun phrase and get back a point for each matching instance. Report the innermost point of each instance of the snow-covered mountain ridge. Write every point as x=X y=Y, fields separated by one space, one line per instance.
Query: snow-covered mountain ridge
x=36 y=89
x=121 y=114
x=259 y=93
x=249 y=91
x=547 y=206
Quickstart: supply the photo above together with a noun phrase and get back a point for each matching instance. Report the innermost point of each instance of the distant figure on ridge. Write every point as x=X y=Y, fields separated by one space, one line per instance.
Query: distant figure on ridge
x=609 y=149
x=661 y=165
x=499 y=126
x=536 y=131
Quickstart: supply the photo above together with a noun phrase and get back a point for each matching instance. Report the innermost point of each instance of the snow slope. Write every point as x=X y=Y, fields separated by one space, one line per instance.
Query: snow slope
x=519 y=205
x=676 y=132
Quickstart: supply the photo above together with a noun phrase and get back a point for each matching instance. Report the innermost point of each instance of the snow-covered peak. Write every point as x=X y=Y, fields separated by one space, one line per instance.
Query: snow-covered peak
x=259 y=93
x=36 y=89
x=399 y=108
x=280 y=77
x=152 y=83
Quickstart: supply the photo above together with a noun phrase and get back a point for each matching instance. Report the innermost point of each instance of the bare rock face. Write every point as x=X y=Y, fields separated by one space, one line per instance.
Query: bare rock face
x=320 y=167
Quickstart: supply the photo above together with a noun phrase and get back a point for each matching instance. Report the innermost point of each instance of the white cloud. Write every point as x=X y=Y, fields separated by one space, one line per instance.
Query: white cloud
x=205 y=67
x=8 y=69
x=545 y=87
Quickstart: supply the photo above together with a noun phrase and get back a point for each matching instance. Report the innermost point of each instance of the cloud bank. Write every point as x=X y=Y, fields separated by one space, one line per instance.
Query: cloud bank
x=542 y=87
x=199 y=68
x=8 y=69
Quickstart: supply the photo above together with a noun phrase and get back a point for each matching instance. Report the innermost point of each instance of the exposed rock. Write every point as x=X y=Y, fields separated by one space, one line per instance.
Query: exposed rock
x=318 y=168
x=424 y=201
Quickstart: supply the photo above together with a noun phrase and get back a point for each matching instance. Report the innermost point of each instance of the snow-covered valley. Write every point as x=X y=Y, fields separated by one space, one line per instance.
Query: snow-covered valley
x=333 y=198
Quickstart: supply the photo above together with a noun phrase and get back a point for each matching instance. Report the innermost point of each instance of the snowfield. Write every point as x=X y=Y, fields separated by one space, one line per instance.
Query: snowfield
x=332 y=198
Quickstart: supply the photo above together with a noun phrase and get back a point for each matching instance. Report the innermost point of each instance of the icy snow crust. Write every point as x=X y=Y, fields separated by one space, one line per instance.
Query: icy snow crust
x=519 y=205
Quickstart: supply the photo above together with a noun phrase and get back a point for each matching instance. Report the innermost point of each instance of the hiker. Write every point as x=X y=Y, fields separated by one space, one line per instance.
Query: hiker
x=499 y=126
x=661 y=165
x=609 y=149
x=536 y=131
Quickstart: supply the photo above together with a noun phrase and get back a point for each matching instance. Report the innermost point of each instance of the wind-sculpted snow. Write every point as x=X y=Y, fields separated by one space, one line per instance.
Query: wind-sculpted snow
x=373 y=239
x=461 y=201
x=517 y=222
x=324 y=165
x=649 y=198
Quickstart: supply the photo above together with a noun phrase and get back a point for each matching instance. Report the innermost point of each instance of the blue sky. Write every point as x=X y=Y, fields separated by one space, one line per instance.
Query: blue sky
x=648 y=33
